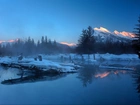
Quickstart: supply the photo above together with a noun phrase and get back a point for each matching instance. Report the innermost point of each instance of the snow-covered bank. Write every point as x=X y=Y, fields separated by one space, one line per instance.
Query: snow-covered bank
x=30 y=63
x=64 y=62
x=93 y=57
x=113 y=57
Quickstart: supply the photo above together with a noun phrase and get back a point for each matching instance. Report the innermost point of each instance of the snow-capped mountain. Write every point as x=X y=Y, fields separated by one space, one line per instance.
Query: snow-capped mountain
x=72 y=45
x=69 y=44
x=102 y=34
x=9 y=41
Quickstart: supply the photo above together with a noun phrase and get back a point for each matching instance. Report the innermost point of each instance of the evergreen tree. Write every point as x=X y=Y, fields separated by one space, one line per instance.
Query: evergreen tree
x=49 y=44
x=0 y=49
x=55 y=49
x=38 y=46
x=137 y=32
x=38 y=43
x=136 y=43
x=46 y=40
x=86 y=41
x=42 y=40
x=46 y=45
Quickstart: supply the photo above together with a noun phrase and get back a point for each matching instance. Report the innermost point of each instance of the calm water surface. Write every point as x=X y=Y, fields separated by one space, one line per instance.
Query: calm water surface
x=89 y=86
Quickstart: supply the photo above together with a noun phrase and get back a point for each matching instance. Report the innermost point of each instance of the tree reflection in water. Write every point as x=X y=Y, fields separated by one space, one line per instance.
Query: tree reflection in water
x=89 y=72
x=12 y=76
x=136 y=76
x=86 y=74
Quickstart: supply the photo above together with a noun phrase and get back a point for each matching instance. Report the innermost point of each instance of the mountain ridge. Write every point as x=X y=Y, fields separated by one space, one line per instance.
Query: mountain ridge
x=102 y=34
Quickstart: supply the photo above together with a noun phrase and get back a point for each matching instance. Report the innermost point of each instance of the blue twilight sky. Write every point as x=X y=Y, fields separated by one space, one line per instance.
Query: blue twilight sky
x=63 y=20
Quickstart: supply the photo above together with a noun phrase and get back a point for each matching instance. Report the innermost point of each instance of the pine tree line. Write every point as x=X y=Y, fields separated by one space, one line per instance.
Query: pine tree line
x=29 y=47
x=113 y=47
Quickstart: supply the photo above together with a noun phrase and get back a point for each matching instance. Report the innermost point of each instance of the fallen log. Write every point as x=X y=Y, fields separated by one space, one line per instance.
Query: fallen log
x=33 y=78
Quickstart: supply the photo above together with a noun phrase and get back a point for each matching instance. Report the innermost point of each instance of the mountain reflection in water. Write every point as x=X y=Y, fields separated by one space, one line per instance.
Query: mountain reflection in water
x=90 y=73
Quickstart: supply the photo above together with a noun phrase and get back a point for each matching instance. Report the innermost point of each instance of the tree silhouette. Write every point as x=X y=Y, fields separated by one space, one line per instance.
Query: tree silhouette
x=137 y=32
x=86 y=41
x=136 y=42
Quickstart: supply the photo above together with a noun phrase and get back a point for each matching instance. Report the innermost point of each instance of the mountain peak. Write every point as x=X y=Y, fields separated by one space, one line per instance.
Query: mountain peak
x=68 y=44
x=124 y=33
x=9 y=41
x=102 y=29
x=121 y=34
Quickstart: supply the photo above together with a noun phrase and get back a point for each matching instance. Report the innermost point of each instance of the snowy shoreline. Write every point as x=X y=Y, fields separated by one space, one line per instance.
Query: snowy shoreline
x=44 y=65
x=63 y=62
x=56 y=66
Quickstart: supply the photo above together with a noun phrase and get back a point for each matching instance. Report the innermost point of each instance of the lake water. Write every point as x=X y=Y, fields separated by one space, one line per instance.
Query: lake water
x=90 y=85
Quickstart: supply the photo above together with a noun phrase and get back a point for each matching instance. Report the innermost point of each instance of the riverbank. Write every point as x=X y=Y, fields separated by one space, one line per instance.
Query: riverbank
x=63 y=62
